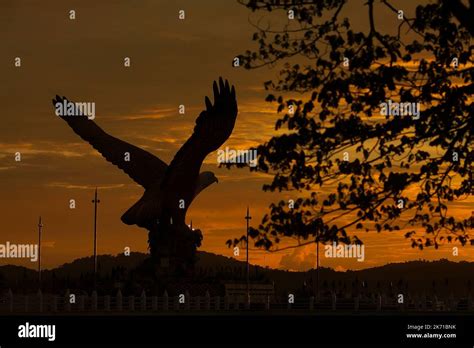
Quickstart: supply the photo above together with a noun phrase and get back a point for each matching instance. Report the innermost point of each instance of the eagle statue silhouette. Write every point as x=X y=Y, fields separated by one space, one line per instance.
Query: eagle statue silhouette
x=168 y=189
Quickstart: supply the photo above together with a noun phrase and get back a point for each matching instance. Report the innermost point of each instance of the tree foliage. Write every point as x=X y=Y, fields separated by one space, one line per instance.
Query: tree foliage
x=402 y=172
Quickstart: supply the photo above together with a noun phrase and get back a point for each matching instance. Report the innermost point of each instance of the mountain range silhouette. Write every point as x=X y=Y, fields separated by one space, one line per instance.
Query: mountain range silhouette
x=441 y=277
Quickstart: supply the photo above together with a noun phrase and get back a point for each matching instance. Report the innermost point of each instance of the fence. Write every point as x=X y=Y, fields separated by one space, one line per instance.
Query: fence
x=50 y=303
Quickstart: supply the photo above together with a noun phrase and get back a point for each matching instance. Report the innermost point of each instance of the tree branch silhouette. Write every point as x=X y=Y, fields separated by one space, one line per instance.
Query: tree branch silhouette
x=401 y=170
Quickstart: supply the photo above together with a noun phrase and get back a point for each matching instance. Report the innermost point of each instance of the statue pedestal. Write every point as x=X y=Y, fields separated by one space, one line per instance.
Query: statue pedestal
x=173 y=249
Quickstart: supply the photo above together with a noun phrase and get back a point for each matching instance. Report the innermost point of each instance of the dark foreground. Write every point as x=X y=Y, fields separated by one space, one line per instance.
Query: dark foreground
x=242 y=329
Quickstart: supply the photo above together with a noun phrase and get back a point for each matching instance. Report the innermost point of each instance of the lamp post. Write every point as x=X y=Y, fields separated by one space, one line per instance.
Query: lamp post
x=248 y=218
x=40 y=229
x=95 y=201
x=317 y=265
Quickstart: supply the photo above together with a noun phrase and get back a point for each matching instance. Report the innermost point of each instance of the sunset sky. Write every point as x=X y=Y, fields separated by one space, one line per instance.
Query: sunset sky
x=173 y=62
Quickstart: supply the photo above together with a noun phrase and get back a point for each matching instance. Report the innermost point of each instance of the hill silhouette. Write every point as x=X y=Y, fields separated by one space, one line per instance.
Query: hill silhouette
x=440 y=277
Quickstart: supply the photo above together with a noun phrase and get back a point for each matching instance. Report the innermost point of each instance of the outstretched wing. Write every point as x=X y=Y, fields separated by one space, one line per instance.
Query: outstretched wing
x=143 y=167
x=213 y=127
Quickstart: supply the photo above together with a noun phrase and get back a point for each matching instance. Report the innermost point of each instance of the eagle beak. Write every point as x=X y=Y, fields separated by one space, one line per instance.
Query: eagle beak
x=216 y=180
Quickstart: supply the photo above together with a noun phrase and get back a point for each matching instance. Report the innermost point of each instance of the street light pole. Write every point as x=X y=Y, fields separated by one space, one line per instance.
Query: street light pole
x=95 y=201
x=40 y=228
x=248 y=218
x=317 y=264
